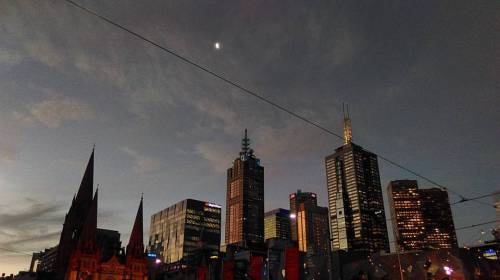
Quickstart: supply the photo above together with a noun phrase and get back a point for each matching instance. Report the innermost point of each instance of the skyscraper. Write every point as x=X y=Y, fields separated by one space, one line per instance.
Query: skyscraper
x=421 y=218
x=407 y=215
x=438 y=219
x=312 y=229
x=356 y=206
x=295 y=200
x=277 y=224
x=177 y=232
x=245 y=199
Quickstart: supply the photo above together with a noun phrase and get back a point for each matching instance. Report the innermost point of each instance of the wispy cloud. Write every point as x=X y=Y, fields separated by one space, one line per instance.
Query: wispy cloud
x=216 y=153
x=32 y=227
x=142 y=164
x=52 y=112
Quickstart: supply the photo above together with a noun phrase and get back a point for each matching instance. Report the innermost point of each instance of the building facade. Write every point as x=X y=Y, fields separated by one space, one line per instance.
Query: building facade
x=178 y=232
x=406 y=215
x=295 y=200
x=356 y=206
x=312 y=229
x=245 y=199
x=421 y=218
x=438 y=219
x=277 y=224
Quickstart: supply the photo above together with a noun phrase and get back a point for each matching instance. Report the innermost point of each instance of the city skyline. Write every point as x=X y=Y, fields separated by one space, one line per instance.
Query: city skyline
x=161 y=128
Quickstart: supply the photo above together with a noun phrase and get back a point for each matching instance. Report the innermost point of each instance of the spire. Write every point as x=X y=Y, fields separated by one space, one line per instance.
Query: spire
x=84 y=195
x=347 y=124
x=87 y=241
x=135 y=247
x=245 y=143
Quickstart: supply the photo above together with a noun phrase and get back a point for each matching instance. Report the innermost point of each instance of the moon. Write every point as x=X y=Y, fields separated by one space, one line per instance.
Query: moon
x=217 y=45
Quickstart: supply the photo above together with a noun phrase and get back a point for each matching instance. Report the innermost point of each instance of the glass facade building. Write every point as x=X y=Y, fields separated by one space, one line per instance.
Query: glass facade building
x=295 y=200
x=179 y=230
x=421 y=218
x=277 y=224
x=245 y=199
x=406 y=214
x=356 y=205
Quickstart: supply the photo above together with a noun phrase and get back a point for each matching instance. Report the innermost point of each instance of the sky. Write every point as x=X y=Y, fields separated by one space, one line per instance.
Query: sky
x=421 y=78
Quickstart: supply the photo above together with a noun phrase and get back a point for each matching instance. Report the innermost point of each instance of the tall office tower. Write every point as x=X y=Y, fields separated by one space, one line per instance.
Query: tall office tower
x=438 y=219
x=295 y=200
x=177 y=232
x=277 y=224
x=422 y=218
x=312 y=229
x=356 y=206
x=245 y=199
x=407 y=215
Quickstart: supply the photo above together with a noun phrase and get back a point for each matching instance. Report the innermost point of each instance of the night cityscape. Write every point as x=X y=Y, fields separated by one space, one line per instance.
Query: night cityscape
x=152 y=140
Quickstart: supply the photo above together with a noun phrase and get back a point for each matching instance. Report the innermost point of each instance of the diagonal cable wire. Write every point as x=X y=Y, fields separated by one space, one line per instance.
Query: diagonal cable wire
x=256 y=95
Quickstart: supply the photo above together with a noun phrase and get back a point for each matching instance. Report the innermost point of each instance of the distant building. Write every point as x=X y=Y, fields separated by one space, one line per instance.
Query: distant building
x=438 y=219
x=422 y=218
x=407 y=215
x=245 y=199
x=178 y=232
x=312 y=227
x=277 y=224
x=356 y=206
x=295 y=200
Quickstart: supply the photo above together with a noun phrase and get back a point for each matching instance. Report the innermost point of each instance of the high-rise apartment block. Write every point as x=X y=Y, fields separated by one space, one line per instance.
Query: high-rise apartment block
x=277 y=224
x=177 y=232
x=421 y=218
x=245 y=199
x=356 y=206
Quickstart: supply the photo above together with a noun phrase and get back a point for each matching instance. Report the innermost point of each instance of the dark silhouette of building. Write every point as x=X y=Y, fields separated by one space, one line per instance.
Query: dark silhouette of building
x=277 y=224
x=422 y=218
x=75 y=219
x=180 y=231
x=245 y=199
x=295 y=200
x=86 y=252
x=355 y=202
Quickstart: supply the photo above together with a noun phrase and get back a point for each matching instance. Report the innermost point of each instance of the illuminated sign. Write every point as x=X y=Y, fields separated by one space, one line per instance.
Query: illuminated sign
x=490 y=254
x=212 y=205
x=152 y=255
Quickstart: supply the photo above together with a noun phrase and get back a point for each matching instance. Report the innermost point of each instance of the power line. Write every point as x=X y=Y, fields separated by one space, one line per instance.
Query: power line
x=254 y=94
x=476 y=225
x=475 y=198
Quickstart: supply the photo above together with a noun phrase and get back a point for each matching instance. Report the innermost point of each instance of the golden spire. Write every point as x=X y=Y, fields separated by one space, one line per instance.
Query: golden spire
x=347 y=124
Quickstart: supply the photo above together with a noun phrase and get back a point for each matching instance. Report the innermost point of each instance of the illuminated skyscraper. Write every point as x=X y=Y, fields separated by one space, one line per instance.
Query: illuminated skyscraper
x=277 y=224
x=407 y=215
x=295 y=200
x=356 y=206
x=438 y=219
x=421 y=218
x=245 y=199
x=177 y=232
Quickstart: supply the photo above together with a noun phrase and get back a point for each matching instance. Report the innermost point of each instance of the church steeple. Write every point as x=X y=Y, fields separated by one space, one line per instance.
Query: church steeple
x=347 y=124
x=84 y=195
x=87 y=242
x=135 y=247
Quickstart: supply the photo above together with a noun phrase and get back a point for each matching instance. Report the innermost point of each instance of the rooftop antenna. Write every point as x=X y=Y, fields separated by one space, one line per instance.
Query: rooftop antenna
x=245 y=143
x=347 y=124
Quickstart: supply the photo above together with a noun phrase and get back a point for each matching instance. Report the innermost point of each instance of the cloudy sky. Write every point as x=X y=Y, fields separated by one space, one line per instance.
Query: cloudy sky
x=421 y=78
